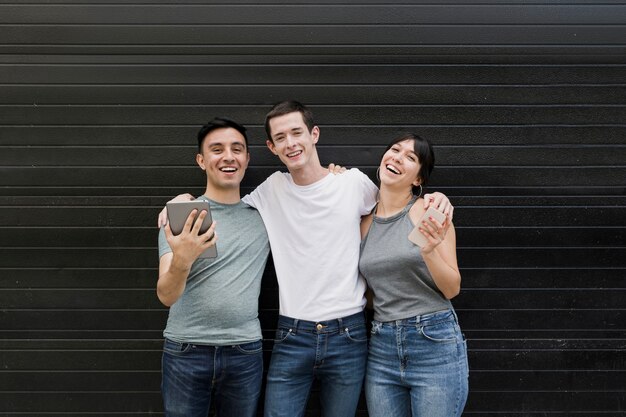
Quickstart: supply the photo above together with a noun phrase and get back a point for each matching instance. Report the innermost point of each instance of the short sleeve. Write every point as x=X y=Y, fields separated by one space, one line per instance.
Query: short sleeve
x=369 y=192
x=164 y=247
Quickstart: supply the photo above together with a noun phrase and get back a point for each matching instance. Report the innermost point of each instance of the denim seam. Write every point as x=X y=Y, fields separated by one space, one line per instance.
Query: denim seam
x=457 y=406
x=421 y=331
x=182 y=348
x=248 y=352
x=347 y=334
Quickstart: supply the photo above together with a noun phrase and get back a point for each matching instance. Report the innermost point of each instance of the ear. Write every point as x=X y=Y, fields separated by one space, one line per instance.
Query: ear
x=315 y=134
x=417 y=181
x=271 y=146
x=200 y=161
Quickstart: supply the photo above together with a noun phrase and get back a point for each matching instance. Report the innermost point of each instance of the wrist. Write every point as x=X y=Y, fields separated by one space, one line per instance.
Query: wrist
x=430 y=254
x=180 y=265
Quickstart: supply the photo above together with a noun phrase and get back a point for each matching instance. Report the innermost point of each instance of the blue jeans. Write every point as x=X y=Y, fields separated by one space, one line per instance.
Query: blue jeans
x=333 y=351
x=417 y=367
x=193 y=374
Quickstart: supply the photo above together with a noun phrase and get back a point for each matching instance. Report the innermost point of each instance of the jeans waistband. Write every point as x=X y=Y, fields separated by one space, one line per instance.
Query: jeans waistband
x=325 y=326
x=208 y=347
x=426 y=319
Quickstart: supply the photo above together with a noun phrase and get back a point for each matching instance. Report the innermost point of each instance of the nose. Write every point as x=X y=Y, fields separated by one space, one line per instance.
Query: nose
x=228 y=155
x=289 y=141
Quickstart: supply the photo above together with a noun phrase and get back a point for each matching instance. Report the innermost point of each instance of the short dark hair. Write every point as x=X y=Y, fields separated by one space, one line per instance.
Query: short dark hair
x=286 y=107
x=220 y=123
x=425 y=154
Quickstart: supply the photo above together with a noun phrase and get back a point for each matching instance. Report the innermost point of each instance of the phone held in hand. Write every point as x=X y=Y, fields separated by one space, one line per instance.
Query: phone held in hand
x=177 y=213
x=416 y=236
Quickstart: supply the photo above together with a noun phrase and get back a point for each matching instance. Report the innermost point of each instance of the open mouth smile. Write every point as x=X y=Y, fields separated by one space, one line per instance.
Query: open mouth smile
x=392 y=169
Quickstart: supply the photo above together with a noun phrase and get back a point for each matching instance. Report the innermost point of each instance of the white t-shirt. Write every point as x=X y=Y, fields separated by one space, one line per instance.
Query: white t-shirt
x=314 y=237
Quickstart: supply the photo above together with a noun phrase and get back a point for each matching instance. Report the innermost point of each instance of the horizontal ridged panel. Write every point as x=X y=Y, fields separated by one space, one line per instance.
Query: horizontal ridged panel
x=525 y=102
x=321 y=14
x=336 y=135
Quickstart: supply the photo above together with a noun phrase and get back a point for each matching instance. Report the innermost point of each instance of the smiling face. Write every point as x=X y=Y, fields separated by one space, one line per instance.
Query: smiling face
x=400 y=165
x=224 y=157
x=292 y=141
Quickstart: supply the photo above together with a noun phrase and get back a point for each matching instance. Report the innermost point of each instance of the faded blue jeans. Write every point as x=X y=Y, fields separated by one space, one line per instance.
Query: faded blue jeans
x=417 y=367
x=193 y=375
x=333 y=352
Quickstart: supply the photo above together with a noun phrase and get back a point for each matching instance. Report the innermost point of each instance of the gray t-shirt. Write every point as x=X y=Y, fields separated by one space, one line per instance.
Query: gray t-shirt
x=396 y=272
x=219 y=306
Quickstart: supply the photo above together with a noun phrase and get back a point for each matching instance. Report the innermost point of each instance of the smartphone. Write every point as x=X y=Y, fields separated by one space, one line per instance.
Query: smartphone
x=416 y=236
x=177 y=213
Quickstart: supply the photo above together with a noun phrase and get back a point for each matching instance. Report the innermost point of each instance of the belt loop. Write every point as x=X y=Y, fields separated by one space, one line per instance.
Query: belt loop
x=294 y=329
x=340 y=324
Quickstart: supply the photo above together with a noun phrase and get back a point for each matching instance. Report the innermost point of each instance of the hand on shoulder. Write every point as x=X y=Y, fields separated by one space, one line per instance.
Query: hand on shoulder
x=440 y=202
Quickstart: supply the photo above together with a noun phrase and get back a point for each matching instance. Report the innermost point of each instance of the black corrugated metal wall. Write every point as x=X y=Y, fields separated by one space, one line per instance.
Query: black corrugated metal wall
x=525 y=101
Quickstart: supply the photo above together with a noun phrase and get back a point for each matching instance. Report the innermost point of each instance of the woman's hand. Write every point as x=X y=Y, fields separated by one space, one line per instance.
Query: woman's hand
x=439 y=254
x=434 y=232
x=440 y=202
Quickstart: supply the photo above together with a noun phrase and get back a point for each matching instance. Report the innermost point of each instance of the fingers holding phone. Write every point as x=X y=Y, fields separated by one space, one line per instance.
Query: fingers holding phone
x=430 y=230
x=191 y=243
x=191 y=220
x=434 y=232
x=209 y=236
x=440 y=202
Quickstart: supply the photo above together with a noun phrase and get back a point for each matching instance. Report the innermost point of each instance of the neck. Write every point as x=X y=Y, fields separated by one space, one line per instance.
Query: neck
x=392 y=201
x=312 y=172
x=224 y=196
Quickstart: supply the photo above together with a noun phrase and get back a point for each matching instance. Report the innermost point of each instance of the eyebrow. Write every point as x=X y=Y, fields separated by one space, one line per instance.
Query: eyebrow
x=214 y=144
x=291 y=129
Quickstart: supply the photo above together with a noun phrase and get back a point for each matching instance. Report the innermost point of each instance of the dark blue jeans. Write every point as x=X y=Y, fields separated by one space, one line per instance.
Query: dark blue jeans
x=195 y=374
x=333 y=351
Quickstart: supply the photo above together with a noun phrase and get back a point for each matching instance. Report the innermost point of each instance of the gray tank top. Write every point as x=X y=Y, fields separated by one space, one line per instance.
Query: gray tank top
x=395 y=270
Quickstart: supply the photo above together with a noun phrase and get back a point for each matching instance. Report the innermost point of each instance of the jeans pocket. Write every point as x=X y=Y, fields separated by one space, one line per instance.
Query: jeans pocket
x=251 y=348
x=442 y=332
x=357 y=334
x=282 y=334
x=176 y=348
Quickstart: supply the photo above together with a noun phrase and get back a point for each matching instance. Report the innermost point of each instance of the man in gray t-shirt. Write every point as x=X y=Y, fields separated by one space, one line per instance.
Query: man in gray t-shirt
x=213 y=336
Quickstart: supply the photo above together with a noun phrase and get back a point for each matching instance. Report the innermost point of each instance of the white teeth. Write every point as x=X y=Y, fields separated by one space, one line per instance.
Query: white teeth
x=291 y=155
x=228 y=169
x=393 y=169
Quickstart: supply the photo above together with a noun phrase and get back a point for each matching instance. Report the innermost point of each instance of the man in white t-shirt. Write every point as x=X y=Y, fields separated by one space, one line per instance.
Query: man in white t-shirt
x=312 y=220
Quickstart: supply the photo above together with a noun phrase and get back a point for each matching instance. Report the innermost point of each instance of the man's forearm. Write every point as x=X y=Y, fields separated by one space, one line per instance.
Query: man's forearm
x=172 y=281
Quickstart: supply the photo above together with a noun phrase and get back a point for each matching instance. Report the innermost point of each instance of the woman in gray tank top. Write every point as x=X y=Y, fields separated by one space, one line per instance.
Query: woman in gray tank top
x=417 y=363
